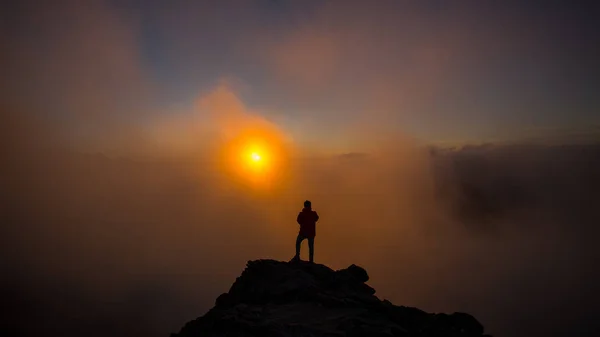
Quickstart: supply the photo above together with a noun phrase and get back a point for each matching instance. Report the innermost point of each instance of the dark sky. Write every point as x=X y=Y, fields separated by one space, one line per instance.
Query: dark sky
x=443 y=72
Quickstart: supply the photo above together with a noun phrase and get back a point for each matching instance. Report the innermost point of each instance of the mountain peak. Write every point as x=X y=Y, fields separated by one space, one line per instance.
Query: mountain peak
x=274 y=298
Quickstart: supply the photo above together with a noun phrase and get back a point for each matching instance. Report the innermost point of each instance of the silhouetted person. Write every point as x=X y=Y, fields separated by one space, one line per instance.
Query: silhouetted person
x=307 y=219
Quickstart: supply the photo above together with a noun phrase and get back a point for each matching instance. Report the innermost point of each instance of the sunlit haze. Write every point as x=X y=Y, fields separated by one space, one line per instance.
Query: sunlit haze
x=151 y=148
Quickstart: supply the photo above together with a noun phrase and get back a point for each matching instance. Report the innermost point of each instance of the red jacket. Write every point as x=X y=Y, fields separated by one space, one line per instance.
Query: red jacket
x=307 y=220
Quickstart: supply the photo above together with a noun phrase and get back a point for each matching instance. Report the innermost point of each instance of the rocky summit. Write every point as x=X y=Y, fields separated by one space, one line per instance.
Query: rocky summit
x=276 y=299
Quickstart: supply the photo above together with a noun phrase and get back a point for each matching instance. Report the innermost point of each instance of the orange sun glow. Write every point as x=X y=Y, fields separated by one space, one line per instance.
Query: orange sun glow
x=255 y=157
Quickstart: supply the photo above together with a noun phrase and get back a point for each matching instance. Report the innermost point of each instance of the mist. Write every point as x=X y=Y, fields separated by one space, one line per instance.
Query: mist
x=121 y=216
x=125 y=244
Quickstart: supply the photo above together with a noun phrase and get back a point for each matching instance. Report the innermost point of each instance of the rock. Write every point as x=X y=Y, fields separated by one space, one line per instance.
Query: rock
x=467 y=322
x=358 y=273
x=222 y=300
x=272 y=298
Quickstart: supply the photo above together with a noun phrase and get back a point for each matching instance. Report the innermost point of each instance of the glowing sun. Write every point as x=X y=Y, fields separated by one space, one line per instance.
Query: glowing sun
x=256 y=157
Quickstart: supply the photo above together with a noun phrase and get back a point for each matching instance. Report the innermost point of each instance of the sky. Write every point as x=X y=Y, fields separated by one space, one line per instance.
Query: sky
x=129 y=199
x=441 y=72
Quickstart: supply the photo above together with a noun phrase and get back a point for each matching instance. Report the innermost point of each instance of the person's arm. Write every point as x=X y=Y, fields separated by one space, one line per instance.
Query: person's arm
x=316 y=217
x=299 y=218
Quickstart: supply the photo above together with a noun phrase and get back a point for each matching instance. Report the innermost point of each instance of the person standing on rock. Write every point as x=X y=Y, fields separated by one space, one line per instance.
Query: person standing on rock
x=307 y=219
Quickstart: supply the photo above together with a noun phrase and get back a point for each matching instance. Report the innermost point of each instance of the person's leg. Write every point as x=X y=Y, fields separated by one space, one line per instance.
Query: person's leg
x=311 y=249
x=298 y=244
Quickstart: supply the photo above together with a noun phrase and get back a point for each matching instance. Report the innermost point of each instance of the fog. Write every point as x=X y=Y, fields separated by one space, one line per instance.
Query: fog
x=120 y=217
x=126 y=245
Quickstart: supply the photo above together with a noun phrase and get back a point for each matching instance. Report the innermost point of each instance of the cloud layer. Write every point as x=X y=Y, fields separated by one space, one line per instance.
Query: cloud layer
x=143 y=237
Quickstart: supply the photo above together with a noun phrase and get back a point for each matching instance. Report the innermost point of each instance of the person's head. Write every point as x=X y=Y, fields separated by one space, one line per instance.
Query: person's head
x=307 y=204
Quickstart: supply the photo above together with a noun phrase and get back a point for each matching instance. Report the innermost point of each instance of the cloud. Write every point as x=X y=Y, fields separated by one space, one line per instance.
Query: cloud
x=150 y=243
x=437 y=71
x=308 y=59
x=217 y=116
x=77 y=66
x=124 y=238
